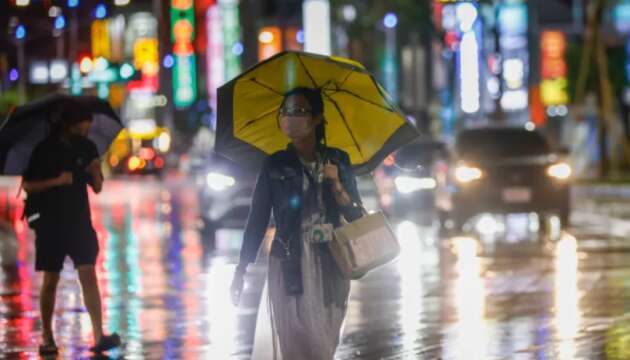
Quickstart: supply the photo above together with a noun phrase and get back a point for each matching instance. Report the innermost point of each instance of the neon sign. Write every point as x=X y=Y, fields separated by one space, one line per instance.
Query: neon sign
x=553 y=88
x=184 y=70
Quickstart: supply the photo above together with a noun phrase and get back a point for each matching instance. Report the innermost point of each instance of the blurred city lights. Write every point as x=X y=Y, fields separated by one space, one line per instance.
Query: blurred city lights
x=86 y=64
x=101 y=11
x=349 y=13
x=530 y=126
x=469 y=73
x=54 y=11
x=514 y=99
x=466 y=16
x=237 y=49
x=316 y=22
x=126 y=71
x=14 y=75
x=22 y=2
x=73 y=3
x=60 y=22
x=390 y=20
x=20 y=32
x=514 y=73
x=299 y=36
x=168 y=61
x=100 y=64
x=39 y=72
x=219 y=182
x=58 y=70
x=121 y=2
x=266 y=37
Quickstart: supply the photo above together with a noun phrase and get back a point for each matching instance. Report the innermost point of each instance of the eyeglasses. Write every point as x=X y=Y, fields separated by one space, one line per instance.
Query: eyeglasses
x=296 y=111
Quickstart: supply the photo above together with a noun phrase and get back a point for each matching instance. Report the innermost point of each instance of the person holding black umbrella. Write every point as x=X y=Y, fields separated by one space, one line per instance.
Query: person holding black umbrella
x=56 y=179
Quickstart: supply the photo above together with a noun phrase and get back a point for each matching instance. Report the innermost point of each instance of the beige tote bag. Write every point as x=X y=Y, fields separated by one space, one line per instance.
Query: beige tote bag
x=364 y=245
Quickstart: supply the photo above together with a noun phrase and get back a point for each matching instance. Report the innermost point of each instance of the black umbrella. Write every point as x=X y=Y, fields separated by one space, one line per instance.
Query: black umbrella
x=29 y=124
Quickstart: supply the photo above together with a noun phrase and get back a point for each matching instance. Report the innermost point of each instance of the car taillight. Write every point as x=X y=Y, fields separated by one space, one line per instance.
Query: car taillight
x=133 y=163
x=159 y=162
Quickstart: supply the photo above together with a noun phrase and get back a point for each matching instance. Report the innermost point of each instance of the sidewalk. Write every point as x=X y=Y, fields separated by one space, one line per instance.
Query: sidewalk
x=602 y=190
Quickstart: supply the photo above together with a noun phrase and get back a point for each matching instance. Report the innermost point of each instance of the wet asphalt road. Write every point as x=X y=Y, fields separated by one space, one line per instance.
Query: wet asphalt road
x=484 y=297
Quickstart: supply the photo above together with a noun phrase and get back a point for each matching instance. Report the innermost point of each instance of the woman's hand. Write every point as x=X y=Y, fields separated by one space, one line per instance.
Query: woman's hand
x=236 y=289
x=331 y=172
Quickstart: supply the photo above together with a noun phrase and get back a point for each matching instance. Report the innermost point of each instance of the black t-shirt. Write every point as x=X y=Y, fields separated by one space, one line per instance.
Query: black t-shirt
x=66 y=204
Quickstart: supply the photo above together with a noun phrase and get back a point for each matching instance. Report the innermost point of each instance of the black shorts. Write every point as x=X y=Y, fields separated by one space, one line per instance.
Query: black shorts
x=54 y=243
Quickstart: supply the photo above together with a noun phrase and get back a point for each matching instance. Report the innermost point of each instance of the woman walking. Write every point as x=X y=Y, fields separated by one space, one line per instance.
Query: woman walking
x=308 y=186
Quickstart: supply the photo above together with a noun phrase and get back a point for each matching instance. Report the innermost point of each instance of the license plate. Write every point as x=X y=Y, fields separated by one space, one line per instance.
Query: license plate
x=517 y=195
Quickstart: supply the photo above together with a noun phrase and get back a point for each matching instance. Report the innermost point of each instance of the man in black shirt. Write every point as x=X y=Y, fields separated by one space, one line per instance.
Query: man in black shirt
x=56 y=179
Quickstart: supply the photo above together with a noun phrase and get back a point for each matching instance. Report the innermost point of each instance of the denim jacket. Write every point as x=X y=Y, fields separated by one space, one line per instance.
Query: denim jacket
x=279 y=189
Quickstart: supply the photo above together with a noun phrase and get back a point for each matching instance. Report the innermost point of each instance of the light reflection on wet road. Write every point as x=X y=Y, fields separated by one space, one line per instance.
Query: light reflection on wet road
x=165 y=291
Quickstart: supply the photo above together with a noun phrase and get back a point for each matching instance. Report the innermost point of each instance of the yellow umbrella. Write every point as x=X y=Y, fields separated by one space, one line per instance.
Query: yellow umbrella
x=361 y=118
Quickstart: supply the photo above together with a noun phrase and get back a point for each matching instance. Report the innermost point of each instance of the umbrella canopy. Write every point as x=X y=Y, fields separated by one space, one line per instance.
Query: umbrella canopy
x=27 y=125
x=361 y=119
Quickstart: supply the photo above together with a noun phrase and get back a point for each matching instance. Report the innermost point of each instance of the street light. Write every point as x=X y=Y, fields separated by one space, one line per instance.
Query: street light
x=349 y=13
x=390 y=20
x=22 y=2
x=14 y=74
x=54 y=11
x=60 y=24
x=20 y=35
x=20 y=32
x=101 y=11
x=390 y=68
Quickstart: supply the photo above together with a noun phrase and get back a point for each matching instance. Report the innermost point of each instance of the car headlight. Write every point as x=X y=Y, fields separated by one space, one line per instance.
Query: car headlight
x=466 y=174
x=560 y=171
x=409 y=184
x=219 y=182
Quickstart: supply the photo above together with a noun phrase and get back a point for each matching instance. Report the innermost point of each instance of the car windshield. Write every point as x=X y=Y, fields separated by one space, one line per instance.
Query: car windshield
x=487 y=144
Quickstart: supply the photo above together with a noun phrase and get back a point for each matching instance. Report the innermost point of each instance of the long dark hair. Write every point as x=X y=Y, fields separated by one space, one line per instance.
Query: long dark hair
x=315 y=100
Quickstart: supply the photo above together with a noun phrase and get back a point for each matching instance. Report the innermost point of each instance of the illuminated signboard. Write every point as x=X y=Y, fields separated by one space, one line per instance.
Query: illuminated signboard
x=467 y=15
x=232 y=48
x=100 y=39
x=512 y=20
x=145 y=55
x=269 y=42
x=116 y=37
x=141 y=45
x=621 y=16
x=553 y=88
x=183 y=34
x=215 y=70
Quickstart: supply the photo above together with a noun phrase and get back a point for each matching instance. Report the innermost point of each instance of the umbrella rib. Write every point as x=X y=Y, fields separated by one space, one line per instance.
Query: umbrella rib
x=381 y=92
x=307 y=72
x=364 y=99
x=345 y=79
x=255 y=81
x=345 y=122
x=252 y=121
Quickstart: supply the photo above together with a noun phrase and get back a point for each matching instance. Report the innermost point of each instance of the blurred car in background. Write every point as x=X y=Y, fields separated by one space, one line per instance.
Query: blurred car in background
x=140 y=154
x=406 y=181
x=225 y=193
x=503 y=170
